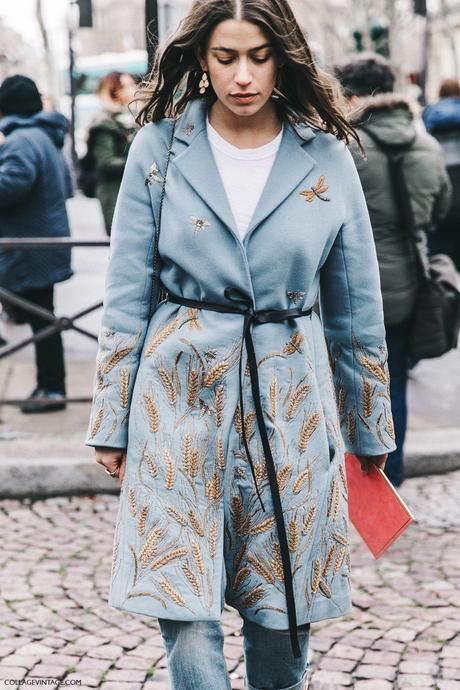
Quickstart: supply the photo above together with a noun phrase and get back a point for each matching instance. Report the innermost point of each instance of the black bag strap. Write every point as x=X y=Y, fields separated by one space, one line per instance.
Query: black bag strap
x=395 y=154
x=158 y=291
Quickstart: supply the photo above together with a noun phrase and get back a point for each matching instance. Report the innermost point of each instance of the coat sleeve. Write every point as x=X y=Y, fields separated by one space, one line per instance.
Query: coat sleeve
x=443 y=199
x=18 y=171
x=352 y=314
x=127 y=299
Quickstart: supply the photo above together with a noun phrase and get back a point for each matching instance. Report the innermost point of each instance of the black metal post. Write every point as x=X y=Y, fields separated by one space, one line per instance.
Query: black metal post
x=151 y=29
x=72 y=95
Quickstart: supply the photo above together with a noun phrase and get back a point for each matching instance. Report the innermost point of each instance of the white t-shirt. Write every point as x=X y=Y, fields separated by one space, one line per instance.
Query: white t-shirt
x=244 y=173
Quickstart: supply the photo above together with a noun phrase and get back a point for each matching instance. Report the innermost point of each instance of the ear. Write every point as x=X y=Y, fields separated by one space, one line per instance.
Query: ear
x=201 y=60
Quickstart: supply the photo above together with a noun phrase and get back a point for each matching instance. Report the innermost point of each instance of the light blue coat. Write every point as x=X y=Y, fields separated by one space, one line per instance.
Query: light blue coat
x=190 y=532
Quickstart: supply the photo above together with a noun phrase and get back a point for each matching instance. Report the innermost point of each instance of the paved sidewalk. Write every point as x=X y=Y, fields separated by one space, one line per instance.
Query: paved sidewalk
x=404 y=631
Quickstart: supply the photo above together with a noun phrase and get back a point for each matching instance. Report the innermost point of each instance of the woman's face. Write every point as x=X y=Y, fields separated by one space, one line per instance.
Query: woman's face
x=241 y=65
x=127 y=89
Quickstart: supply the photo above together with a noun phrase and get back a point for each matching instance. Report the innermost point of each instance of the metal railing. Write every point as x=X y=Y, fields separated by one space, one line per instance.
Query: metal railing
x=58 y=324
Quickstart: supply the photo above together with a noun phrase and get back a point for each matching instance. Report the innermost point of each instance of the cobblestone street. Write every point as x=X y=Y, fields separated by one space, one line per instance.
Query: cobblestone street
x=55 y=623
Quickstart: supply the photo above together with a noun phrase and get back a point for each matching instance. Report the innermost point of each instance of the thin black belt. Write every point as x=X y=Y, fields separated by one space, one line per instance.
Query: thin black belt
x=257 y=317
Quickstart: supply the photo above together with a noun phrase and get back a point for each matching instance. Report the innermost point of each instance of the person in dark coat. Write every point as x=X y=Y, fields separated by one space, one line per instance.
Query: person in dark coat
x=442 y=120
x=368 y=82
x=34 y=186
x=110 y=137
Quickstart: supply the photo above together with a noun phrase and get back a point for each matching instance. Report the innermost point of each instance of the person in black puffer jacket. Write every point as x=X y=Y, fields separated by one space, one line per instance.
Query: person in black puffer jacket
x=34 y=186
x=368 y=81
x=442 y=120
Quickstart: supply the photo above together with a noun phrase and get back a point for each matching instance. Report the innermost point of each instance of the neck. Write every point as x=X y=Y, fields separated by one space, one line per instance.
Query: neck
x=246 y=132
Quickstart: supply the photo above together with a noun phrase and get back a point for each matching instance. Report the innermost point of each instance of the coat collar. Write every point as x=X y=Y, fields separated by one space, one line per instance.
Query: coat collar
x=196 y=163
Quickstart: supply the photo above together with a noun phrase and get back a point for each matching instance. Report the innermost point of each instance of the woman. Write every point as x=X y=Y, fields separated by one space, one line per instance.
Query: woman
x=110 y=137
x=223 y=502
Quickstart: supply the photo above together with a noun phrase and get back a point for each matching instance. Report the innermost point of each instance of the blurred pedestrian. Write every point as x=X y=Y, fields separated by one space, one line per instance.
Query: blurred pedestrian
x=386 y=117
x=442 y=120
x=109 y=139
x=34 y=185
x=234 y=486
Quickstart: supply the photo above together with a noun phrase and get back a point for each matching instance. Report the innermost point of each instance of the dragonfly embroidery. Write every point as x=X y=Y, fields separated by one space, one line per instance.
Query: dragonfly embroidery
x=154 y=175
x=199 y=224
x=315 y=192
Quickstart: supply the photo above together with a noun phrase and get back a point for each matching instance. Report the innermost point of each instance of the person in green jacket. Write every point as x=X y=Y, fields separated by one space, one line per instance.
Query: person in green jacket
x=368 y=82
x=110 y=137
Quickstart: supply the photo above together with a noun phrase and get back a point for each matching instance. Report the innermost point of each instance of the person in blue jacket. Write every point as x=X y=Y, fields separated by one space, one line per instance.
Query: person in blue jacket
x=226 y=408
x=442 y=120
x=34 y=186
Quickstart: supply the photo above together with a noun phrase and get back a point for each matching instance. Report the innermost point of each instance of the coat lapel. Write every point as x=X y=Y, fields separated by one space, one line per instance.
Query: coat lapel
x=196 y=163
x=291 y=166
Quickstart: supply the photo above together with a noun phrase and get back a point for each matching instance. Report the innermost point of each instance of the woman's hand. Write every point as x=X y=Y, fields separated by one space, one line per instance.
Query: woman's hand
x=368 y=460
x=113 y=459
x=2 y=138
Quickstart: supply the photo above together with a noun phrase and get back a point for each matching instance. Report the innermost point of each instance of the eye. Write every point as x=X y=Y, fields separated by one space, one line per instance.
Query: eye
x=225 y=62
x=261 y=58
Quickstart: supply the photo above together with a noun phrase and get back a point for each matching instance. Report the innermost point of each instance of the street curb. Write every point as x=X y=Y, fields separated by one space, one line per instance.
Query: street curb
x=59 y=476
x=56 y=476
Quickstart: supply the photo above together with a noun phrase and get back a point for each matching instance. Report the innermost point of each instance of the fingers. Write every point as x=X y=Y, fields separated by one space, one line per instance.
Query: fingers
x=113 y=460
x=367 y=461
x=122 y=470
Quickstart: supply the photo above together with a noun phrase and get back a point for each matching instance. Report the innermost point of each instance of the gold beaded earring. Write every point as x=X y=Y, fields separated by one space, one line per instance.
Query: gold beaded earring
x=204 y=83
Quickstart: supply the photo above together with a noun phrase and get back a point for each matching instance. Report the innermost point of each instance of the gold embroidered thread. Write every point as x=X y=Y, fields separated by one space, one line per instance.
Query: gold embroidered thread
x=316 y=575
x=170 y=469
x=303 y=478
x=294 y=344
x=307 y=430
x=172 y=593
x=142 y=519
x=214 y=374
x=168 y=557
x=152 y=413
x=260 y=568
x=116 y=358
x=193 y=580
x=316 y=191
x=161 y=337
x=240 y=578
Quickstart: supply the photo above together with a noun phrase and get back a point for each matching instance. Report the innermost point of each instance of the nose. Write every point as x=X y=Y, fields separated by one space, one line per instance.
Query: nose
x=243 y=76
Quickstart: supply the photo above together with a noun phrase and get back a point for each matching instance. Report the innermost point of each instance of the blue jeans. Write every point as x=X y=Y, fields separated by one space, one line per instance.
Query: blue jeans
x=398 y=360
x=196 y=659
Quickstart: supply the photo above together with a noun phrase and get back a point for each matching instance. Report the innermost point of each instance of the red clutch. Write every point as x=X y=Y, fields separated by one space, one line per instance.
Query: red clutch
x=375 y=508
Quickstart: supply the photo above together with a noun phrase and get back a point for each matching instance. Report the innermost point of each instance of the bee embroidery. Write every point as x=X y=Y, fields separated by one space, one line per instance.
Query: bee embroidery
x=199 y=224
x=315 y=192
x=188 y=129
x=154 y=175
x=295 y=295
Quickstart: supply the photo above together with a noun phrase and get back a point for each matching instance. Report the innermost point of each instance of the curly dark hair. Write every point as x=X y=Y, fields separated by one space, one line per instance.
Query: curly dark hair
x=304 y=92
x=365 y=74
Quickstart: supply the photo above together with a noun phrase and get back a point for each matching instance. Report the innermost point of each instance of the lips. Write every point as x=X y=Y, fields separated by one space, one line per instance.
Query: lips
x=243 y=97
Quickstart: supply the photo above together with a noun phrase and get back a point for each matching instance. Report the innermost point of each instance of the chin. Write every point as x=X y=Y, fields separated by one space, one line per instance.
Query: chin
x=245 y=110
